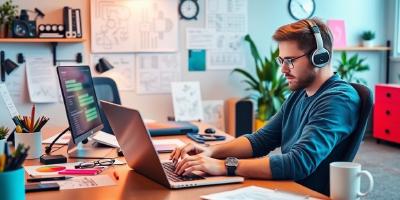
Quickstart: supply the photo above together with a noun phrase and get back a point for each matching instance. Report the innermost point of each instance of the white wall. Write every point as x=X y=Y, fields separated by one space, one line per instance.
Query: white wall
x=264 y=17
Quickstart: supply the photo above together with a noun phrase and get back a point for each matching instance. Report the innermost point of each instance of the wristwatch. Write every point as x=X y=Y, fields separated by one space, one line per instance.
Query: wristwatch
x=231 y=164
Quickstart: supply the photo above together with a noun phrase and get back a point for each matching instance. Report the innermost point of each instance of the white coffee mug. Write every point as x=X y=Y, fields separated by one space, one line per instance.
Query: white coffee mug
x=345 y=178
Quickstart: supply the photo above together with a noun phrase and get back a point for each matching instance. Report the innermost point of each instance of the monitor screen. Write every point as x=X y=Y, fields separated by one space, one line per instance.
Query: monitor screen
x=80 y=101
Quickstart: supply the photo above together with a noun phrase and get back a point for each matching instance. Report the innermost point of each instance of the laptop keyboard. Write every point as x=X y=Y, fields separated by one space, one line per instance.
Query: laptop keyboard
x=169 y=169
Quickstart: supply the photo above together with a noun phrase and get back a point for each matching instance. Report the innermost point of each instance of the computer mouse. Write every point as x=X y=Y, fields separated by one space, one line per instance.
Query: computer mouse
x=209 y=130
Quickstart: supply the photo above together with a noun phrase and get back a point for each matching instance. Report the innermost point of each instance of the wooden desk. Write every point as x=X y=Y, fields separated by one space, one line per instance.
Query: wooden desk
x=132 y=185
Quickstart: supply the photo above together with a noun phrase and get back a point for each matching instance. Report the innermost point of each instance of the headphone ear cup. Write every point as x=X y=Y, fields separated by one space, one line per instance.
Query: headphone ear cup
x=320 y=57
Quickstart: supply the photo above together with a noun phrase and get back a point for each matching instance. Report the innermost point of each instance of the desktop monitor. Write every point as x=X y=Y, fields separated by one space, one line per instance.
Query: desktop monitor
x=80 y=101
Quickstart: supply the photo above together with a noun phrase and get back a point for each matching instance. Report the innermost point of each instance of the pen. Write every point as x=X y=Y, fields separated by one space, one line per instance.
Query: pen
x=32 y=118
x=55 y=178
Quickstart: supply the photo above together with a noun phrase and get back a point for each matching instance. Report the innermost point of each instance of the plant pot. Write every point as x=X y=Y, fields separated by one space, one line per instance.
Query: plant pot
x=260 y=124
x=3 y=30
x=367 y=43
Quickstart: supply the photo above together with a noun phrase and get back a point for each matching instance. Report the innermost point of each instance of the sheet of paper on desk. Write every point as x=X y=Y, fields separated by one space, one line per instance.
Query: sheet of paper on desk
x=167 y=145
x=255 y=193
x=85 y=182
x=62 y=140
x=46 y=170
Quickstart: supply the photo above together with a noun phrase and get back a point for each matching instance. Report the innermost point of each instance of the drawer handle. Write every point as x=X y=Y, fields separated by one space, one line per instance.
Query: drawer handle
x=388 y=112
x=388 y=95
x=387 y=131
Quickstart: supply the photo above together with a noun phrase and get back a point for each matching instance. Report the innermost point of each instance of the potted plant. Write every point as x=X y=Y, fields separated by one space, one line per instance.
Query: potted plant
x=348 y=67
x=8 y=11
x=367 y=37
x=3 y=134
x=269 y=87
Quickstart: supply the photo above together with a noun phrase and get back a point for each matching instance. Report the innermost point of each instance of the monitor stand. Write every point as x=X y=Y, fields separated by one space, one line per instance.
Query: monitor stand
x=90 y=150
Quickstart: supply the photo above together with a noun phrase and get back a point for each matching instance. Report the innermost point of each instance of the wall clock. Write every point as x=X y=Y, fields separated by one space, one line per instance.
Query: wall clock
x=188 y=9
x=301 y=9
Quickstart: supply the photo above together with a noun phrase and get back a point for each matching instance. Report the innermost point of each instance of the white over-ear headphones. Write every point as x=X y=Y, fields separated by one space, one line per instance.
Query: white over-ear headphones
x=320 y=56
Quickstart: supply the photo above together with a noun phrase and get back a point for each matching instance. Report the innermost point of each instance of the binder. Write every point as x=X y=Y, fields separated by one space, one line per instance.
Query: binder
x=78 y=23
x=69 y=33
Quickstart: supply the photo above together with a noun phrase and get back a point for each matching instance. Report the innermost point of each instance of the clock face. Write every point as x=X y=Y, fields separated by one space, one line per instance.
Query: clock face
x=301 y=9
x=189 y=9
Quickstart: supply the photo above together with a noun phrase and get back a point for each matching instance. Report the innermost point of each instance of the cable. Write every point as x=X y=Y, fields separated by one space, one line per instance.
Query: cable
x=48 y=148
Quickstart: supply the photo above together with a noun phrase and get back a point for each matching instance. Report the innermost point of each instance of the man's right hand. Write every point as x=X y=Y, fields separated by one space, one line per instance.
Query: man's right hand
x=188 y=149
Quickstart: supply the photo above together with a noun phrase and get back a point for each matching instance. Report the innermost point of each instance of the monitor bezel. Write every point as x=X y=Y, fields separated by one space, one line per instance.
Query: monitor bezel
x=76 y=139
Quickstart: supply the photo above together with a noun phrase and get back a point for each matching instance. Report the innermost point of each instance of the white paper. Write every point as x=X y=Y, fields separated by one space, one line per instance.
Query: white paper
x=123 y=72
x=176 y=142
x=42 y=80
x=229 y=20
x=200 y=38
x=134 y=26
x=45 y=170
x=62 y=140
x=156 y=71
x=186 y=99
x=79 y=182
x=8 y=100
x=15 y=83
x=213 y=113
x=255 y=193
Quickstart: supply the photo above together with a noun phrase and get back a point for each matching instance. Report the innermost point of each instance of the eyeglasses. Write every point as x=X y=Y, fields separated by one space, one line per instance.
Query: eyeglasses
x=102 y=162
x=288 y=61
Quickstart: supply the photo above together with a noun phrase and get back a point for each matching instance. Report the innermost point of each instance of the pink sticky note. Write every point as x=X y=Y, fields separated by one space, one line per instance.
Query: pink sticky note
x=338 y=32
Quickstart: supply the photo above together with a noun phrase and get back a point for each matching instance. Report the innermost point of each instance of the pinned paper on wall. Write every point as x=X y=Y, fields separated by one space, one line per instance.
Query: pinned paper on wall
x=186 y=99
x=229 y=20
x=42 y=80
x=213 y=113
x=200 y=38
x=338 y=32
x=156 y=71
x=16 y=84
x=123 y=72
x=134 y=26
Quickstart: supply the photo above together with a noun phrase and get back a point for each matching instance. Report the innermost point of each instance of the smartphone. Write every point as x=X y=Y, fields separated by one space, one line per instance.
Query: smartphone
x=37 y=187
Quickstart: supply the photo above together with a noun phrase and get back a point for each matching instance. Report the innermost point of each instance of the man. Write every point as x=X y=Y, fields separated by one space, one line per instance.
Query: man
x=321 y=112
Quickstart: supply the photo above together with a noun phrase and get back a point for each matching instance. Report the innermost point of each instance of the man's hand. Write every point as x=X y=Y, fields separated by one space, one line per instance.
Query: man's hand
x=202 y=163
x=188 y=149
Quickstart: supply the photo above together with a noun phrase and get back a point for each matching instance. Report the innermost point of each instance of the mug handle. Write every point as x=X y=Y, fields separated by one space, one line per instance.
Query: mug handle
x=371 y=182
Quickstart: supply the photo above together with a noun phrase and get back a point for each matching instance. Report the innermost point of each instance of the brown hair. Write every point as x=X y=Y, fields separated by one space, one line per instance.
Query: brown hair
x=301 y=33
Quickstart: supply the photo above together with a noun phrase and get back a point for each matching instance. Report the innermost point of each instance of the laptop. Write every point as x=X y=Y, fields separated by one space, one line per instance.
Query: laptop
x=140 y=154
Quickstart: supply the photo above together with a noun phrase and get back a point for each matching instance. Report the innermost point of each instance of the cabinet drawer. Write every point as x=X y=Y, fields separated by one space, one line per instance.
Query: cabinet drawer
x=388 y=131
x=387 y=94
x=387 y=113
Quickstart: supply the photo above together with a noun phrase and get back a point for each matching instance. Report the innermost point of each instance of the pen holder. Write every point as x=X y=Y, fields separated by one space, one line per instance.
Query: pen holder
x=12 y=185
x=33 y=140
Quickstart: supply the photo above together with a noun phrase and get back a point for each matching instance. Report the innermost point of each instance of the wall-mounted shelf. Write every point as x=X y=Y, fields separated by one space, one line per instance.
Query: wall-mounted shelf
x=386 y=49
x=53 y=42
x=360 y=48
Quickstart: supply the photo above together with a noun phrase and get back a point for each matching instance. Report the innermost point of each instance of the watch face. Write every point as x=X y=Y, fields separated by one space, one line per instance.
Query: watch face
x=189 y=9
x=231 y=161
x=301 y=9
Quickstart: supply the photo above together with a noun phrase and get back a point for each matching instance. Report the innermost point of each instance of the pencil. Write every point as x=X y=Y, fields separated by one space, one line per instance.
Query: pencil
x=116 y=176
x=32 y=118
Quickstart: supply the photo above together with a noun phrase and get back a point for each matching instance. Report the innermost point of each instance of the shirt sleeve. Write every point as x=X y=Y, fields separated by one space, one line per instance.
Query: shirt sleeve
x=267 y=138
x=333 y=118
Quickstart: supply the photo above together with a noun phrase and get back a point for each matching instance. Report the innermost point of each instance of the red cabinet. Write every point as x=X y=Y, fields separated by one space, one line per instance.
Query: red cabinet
x=387 y=112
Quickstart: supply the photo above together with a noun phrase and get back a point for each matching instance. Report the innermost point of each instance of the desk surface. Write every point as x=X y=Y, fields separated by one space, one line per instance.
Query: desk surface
x=132 y=185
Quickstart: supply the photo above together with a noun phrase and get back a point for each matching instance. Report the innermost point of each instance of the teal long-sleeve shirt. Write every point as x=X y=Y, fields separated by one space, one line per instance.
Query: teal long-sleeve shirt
x=307 y=128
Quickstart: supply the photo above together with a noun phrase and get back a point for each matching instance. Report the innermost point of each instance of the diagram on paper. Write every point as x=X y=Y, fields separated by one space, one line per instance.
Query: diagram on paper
x=134 y=26
x=186 y=99
x=85 y=182
x=156 y=71
x=123 y=72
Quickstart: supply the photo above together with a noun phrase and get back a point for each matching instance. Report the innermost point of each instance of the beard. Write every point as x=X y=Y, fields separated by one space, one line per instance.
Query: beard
x=302 y=81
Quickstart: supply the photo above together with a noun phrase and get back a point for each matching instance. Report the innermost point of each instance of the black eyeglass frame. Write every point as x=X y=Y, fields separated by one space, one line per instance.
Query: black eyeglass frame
x=289 y=61
x=102 y=162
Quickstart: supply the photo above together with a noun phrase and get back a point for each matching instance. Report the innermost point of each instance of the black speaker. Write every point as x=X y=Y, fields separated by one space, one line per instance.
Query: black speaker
x=23 y=29
x=240 y=116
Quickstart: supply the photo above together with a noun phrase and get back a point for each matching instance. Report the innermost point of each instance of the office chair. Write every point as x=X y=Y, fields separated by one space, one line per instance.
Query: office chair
x=345 y=150
x=106 y=89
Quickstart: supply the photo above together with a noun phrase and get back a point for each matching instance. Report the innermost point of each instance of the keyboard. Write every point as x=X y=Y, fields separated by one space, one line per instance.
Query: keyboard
x=169 y=169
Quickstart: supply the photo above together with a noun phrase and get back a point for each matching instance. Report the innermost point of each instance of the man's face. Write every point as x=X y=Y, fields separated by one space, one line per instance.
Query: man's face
x=301 y=73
